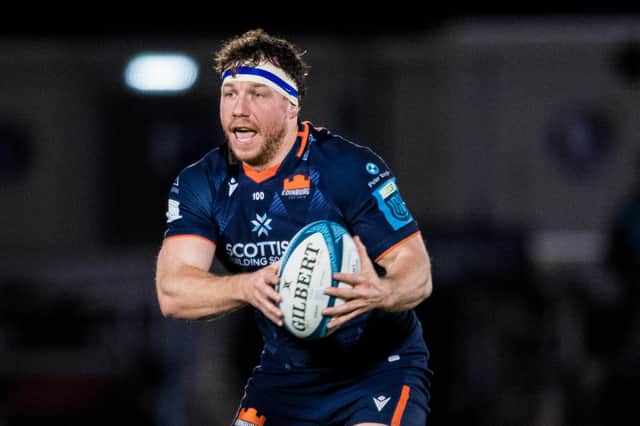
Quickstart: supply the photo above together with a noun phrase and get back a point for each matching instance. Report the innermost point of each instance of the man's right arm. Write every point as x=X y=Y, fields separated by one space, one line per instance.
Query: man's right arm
x=187 y=290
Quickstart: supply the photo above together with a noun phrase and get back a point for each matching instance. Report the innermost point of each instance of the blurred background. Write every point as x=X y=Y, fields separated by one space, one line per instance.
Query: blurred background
x=514 y=136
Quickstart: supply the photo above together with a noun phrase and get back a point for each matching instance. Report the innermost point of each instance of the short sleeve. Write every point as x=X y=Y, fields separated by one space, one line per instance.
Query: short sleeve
x=190 y=205
x=371 y=202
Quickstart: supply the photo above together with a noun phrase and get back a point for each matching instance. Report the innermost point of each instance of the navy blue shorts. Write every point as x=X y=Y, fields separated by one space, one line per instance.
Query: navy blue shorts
x=391 y=393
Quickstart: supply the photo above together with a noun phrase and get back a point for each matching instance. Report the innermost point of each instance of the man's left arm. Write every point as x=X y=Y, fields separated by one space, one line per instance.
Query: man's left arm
x=406 y=284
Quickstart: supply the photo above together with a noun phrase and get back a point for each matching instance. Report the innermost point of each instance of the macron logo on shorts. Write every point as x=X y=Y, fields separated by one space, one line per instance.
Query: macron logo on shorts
x=381 y=401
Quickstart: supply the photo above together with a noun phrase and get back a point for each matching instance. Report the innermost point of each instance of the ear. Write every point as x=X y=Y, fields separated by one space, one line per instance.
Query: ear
x=292 y=110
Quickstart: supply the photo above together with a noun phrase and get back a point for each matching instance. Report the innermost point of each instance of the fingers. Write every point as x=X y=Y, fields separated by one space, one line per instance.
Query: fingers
x=366 y=266
x=272 y=299
x=360 y=296
x=346 y=311
x=272 y=280
x=267 y=303
x=338 y=321
x=349 y=278
x=272 y=312
x=344 y=308
x=275 y=266
x=365 y=262
x=265 y=296
x=342 y=292
x=271 y=293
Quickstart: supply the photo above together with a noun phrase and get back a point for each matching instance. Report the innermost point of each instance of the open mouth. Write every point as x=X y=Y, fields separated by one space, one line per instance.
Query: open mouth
x=244 y=134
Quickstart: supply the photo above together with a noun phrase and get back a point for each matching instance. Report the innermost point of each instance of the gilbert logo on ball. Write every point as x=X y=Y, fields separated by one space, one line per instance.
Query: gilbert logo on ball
x=314 y=254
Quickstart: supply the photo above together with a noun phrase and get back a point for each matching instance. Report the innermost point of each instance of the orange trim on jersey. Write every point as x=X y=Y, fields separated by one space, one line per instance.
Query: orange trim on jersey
x=259 y=176
x=402 y=404
x=304 y=134
x=402 y=241
x=251 y=415
x=191 y=235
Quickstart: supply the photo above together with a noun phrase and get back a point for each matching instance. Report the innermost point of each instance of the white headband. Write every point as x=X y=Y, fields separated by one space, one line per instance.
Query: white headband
x=265 y=73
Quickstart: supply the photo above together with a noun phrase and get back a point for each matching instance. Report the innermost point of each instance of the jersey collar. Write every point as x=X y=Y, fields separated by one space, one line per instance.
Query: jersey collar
x=297 y=151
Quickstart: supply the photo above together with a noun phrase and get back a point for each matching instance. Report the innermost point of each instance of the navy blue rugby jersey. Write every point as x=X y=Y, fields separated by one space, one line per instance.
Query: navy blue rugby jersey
x=250 y=216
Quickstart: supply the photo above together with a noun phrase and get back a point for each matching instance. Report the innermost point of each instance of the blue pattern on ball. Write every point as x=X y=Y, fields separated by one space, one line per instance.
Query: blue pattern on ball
x=332 y=232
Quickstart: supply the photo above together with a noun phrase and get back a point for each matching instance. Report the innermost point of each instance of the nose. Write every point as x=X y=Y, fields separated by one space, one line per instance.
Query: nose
x=241 y=106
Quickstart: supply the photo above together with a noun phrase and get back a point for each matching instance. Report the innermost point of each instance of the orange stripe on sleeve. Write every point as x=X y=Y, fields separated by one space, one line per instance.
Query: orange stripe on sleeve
x=192 y=236
x=402 y=241
x=402 y=404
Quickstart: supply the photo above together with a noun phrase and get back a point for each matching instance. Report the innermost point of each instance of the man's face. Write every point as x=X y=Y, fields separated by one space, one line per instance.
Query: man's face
x=254 y=119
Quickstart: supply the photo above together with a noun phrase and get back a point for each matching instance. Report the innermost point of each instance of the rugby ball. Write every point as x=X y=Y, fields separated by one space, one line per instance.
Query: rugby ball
x=314 y=254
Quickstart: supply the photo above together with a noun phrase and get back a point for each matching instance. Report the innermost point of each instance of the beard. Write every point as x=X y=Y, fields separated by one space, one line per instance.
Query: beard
x=274 y=139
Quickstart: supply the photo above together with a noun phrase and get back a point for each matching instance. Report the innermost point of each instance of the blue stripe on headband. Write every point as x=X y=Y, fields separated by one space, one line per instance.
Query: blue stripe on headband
x=264 y=74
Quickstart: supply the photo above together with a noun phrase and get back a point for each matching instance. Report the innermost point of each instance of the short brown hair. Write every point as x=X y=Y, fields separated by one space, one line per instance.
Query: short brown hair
x=255 y=46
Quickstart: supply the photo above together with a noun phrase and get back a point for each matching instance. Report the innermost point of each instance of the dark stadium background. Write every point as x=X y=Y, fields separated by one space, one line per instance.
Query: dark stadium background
x=515 y=136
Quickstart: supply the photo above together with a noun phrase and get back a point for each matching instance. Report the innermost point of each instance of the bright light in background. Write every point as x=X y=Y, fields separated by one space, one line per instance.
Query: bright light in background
x=161 y=72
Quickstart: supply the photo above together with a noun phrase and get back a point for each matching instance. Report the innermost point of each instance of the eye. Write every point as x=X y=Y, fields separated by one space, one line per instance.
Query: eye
x=260 y=92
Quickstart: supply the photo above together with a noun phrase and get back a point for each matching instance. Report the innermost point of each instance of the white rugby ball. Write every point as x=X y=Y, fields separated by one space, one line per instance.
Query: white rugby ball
x=314 y=254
